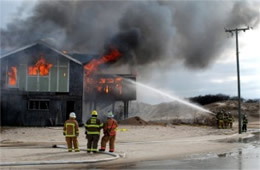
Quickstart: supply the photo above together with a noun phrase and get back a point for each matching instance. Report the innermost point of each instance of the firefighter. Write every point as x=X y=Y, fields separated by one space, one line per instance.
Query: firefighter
x=245 y=121
x=218 y=118
x=93 y=127
x=109 y=130
x=226 y=120
x=71 y=132
x=230 y=120
x=221 y=120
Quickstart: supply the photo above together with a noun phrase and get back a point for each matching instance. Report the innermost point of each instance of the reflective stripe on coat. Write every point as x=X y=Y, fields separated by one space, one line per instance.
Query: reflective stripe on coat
x=71 y=128
x=93 y=126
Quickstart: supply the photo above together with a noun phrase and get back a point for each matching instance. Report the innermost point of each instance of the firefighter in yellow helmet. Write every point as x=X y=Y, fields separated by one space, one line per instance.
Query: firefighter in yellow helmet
x=71 y=132
x=93 y=127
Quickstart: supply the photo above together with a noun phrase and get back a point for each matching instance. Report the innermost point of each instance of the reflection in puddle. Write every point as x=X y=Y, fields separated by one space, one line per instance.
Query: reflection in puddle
x=246 y=157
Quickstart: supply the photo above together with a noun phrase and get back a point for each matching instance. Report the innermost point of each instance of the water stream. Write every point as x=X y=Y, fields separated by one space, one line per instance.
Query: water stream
x=165 y=94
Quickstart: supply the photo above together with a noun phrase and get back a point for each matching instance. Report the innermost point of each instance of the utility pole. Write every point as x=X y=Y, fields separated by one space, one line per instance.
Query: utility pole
x=238 y=74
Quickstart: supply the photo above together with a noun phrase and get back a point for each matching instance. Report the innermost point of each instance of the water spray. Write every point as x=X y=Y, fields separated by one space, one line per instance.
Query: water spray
x=170 y=96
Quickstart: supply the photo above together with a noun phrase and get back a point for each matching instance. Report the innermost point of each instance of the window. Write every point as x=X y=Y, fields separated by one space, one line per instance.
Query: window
x=38 y=75
x=46 y=77
x=38 y=104
x=12 y=76
x=41 y=67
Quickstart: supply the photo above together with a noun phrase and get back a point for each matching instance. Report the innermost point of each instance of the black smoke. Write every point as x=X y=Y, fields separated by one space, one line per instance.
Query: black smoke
x=144 y=31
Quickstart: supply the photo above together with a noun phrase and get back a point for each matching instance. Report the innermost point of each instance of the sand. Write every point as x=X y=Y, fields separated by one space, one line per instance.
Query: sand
x=133 y=143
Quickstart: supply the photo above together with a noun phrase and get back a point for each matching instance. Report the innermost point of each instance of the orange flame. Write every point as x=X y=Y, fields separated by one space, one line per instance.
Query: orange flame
x=102 y=81
x=107 y=90
x=105 y=85
x=41 y=66
x=94 y=64
x=12 y=75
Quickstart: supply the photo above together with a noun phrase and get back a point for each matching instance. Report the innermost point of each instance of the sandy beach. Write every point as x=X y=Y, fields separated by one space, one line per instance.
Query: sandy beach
x=133 y=143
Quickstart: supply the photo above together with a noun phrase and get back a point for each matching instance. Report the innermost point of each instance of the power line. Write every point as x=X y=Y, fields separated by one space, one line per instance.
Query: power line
x=238 y=73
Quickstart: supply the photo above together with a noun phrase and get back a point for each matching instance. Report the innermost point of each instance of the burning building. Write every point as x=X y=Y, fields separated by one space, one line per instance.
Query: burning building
x=103 y=92
x=41 y=85
x=38 y=86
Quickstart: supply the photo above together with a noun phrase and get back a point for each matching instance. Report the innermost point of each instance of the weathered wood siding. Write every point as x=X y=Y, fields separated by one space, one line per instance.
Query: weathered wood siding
x=64 y=83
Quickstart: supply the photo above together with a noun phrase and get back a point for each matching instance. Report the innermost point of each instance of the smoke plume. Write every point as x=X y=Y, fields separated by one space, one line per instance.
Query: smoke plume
x=144 y=31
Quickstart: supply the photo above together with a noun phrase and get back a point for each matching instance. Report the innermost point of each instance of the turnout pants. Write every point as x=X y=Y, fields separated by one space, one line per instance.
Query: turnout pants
x=231 y=125
x=73 y=140
x=221 y=124
x=244 y=128
x=92 y=143
x=111 y=140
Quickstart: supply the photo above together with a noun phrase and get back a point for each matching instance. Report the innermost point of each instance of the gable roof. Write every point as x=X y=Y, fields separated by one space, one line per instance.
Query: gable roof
x=83 y=58
x=46 y=45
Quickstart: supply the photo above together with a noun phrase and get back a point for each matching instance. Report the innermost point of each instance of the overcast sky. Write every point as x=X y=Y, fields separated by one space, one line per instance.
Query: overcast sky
x=218 y=77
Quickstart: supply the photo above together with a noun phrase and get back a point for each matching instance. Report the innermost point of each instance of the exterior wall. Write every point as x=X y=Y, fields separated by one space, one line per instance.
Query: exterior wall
x=76 y=79
x=15 y=111
x=55 y=81
x=62 y=89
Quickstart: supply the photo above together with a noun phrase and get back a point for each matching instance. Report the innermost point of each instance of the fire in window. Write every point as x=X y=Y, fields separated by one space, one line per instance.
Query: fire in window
x=41 y=67
x=105 y=85
x=12 y=76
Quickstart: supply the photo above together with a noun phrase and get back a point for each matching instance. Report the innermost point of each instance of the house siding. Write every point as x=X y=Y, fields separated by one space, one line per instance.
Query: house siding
x=63 y=85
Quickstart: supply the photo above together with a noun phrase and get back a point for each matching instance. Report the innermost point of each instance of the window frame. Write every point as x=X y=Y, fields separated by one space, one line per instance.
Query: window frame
x=7 y=77
x=39 y=101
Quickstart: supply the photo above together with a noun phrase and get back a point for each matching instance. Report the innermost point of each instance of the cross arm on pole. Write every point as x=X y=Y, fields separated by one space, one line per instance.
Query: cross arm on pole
x=237 y=29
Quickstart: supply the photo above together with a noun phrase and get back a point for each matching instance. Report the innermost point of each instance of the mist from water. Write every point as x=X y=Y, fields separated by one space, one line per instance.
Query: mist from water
x=174 y=98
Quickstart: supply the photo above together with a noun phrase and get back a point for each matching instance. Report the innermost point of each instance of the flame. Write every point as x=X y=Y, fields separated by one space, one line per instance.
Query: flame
x=110 y=80
x=105 y=85
x=41 y=67
x=118 y=79
x=94 y=64
x=99 y=88
x=102 y=81
x=12 y=75
x=107 y=89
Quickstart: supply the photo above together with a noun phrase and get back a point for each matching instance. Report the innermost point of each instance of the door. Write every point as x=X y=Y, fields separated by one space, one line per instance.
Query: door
x=70 y=108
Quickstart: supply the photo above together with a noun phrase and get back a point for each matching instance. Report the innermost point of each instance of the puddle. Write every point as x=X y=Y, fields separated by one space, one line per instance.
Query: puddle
x=253 y=140
x=246 y=157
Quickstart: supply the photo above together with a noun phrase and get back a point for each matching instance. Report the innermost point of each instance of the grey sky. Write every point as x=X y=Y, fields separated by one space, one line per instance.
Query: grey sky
x=218 y=77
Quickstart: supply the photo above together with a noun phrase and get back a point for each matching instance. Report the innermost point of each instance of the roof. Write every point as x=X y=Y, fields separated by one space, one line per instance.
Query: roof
x=46 y=45
x=83 y=58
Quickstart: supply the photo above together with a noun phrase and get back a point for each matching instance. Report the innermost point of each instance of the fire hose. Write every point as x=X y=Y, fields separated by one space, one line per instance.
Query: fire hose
x=114 y=157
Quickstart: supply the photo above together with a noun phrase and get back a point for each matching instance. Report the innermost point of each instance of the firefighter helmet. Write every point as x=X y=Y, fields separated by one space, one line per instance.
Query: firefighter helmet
x=73 y=115
x=110 y=114
x=94 y=113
